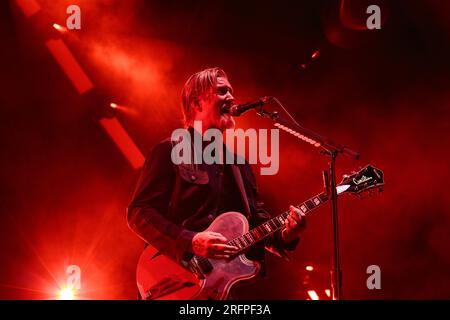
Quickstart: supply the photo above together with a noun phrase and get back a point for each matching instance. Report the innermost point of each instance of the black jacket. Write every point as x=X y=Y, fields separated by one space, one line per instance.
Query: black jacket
x=174 y=202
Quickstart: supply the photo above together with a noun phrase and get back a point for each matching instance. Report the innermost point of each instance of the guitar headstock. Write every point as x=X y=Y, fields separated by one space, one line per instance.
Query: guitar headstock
x=368 y=178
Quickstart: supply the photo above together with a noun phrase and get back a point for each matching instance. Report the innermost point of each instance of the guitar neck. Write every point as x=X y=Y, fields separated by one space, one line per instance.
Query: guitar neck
x=277 y=223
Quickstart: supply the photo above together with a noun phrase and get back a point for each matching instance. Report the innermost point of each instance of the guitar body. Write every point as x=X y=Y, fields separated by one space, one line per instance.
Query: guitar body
x=159 y=277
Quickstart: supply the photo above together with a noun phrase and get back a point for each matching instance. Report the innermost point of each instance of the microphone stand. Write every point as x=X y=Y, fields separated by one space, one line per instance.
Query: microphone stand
x=331 y=149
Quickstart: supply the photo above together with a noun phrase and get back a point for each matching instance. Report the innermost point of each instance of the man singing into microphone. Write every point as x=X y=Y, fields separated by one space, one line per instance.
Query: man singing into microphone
x=174 y=204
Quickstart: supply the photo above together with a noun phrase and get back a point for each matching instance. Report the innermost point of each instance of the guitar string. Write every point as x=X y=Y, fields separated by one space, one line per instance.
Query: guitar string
x=242 y=239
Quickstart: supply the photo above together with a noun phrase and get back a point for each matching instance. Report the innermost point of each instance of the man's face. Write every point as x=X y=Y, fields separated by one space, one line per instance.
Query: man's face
x=211 y=104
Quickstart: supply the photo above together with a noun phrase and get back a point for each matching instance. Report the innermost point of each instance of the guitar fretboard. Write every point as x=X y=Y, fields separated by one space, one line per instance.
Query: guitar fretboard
x=271 y=226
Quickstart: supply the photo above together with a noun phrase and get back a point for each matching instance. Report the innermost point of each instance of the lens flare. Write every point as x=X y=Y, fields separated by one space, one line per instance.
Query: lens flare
x=66 y=294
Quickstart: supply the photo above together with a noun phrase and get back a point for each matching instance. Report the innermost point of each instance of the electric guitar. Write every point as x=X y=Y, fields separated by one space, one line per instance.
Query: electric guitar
x=159 y=277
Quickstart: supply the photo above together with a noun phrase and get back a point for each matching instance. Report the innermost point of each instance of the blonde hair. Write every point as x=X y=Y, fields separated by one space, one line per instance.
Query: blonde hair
x=197 y=85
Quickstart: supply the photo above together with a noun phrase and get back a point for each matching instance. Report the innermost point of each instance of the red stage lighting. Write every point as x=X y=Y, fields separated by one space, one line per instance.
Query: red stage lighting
x=123 y=141
x=70 y=66
x=28 y=7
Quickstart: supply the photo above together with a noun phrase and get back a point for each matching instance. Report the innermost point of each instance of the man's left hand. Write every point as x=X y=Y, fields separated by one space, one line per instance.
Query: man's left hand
x=295 y=224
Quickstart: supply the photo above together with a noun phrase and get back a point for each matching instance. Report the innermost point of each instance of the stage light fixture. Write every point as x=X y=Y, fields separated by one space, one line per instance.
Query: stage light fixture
x=60 y=28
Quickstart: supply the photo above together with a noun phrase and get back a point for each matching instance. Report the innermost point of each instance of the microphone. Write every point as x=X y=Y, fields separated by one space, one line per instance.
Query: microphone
x=238 y=109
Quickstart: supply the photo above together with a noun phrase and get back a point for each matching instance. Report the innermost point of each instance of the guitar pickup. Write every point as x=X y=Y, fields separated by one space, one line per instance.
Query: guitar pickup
x=200 y=266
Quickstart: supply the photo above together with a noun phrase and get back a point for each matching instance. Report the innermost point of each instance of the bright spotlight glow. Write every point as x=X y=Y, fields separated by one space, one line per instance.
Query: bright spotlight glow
x=309 y=268
x=315 y=55
x=113 y=105
x=313 y=295
x=59 y=27
x=66 y=294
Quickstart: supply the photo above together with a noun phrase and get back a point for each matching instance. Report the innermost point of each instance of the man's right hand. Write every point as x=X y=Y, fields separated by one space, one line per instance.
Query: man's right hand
x=213 y=245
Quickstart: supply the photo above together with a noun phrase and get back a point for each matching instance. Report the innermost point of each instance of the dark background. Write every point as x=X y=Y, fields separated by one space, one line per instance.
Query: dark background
x=65 y=185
